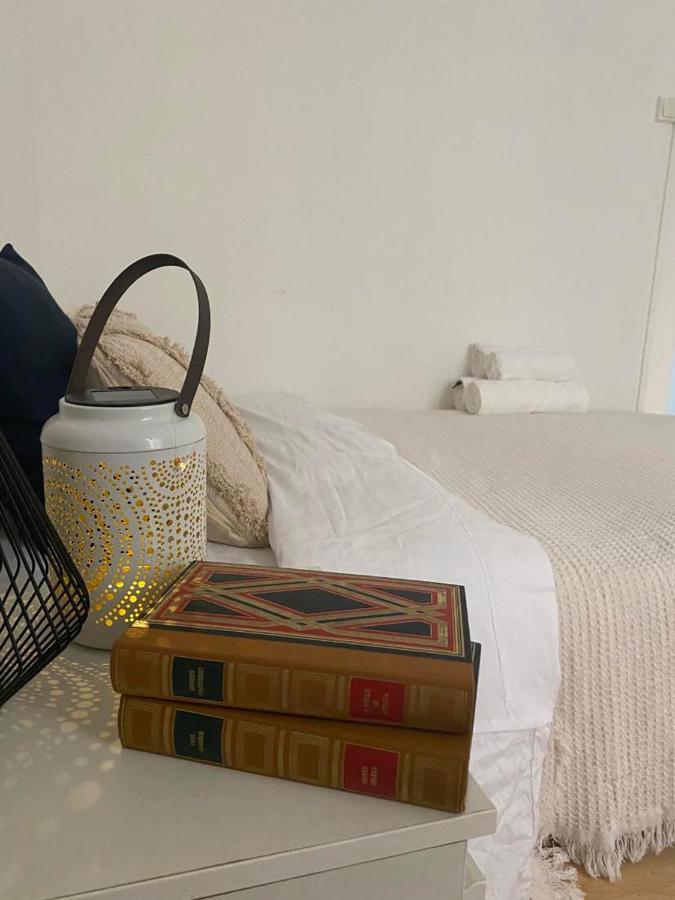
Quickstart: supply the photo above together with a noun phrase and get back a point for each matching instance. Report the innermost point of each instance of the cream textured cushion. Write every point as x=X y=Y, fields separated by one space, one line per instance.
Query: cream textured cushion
x=128 y=353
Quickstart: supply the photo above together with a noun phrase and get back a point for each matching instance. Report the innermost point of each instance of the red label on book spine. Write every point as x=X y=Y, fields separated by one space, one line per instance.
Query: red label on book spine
x=372 y=699
x=369 y=770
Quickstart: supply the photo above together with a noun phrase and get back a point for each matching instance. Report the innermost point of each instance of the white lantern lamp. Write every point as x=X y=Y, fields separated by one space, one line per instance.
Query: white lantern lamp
x=125 y=475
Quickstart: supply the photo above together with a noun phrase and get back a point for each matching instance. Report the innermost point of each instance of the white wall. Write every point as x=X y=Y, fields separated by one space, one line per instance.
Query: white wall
x=18 y=213
x=365 y=186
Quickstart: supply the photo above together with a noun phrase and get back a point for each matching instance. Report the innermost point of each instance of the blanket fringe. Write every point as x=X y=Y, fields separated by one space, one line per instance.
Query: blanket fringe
x=552 y=876
x=607 y=862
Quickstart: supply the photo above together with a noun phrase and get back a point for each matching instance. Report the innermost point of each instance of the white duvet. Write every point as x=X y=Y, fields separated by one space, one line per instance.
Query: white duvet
x=343 y=499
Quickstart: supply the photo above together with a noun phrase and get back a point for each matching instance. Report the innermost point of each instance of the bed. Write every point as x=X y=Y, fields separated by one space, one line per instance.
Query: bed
x=562 y=528
x=598 y=494
x=343 y=499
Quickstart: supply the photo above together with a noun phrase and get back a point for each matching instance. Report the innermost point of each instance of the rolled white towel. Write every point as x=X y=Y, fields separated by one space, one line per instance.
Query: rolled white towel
x=507 y=364
x=483 y=397
x=457 y=392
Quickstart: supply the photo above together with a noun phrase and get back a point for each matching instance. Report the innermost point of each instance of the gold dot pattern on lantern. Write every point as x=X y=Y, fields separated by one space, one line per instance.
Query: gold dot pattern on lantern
x=120 y=524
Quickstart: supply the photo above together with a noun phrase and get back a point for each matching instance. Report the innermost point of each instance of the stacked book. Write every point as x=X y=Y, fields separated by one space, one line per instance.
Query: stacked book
x=352 y=682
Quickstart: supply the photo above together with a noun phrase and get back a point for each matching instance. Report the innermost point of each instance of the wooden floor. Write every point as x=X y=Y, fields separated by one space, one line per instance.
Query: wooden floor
x=651 y=879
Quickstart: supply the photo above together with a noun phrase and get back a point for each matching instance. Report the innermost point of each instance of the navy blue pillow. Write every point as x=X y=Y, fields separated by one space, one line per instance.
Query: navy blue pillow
x=37 y=349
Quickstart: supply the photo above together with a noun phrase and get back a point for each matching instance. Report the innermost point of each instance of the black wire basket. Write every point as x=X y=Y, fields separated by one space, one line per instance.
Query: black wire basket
x=43 y=599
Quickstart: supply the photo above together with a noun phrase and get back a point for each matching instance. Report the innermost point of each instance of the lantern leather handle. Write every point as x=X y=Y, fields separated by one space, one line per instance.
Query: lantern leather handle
x=109 y=301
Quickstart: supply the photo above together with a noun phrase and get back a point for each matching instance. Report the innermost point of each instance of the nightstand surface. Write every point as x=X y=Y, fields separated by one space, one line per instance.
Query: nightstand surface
x=78 y=814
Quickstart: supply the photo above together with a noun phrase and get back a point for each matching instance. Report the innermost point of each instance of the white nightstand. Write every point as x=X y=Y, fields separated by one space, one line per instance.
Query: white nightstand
x=80 y=817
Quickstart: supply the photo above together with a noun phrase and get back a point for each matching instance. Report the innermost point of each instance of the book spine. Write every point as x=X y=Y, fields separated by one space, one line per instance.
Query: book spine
x=397 y=764
x=274 y=688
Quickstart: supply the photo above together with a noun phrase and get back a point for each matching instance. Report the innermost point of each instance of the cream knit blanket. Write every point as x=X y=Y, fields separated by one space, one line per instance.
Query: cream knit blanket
x=598 y=492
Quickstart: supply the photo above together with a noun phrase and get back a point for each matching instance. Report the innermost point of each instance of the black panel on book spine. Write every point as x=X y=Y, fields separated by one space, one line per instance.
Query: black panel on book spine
x=198 y=736
x=198 y=679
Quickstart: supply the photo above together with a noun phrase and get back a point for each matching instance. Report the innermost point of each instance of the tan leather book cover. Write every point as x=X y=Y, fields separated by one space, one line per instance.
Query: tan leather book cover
x=349 y=647
x=419 y=767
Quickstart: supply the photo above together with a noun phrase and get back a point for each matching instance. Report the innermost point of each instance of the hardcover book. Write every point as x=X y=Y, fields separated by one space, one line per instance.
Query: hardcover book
x=424 y=768
x=308 y=643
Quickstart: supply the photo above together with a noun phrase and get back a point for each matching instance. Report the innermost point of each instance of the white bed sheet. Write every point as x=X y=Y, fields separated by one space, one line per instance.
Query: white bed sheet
x=342 y=499
x=243 y=556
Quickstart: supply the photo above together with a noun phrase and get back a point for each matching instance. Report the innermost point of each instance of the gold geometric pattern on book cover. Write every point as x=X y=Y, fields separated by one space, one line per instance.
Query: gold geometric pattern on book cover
x=316 y=607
